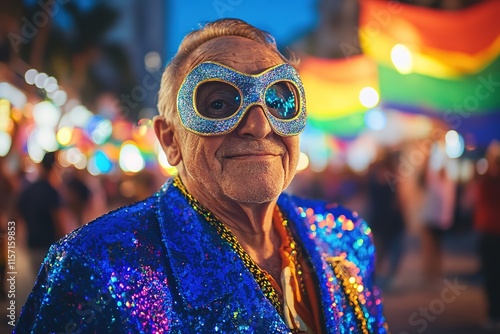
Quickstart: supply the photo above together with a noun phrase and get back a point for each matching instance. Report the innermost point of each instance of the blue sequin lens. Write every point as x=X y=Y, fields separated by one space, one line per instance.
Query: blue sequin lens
x=281 y=100
x=220 y=100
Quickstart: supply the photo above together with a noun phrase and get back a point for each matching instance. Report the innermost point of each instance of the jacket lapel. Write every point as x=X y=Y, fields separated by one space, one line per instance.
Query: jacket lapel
x=208 y=273
x=316 y=253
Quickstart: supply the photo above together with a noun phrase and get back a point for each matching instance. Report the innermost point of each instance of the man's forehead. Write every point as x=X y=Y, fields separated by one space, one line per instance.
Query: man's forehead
x=239 y=53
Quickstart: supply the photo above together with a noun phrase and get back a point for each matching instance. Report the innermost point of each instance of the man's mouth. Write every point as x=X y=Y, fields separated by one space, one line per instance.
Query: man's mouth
x=250 y=154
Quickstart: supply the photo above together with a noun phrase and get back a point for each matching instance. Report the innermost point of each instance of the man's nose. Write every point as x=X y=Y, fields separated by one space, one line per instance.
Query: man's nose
x=254 y=123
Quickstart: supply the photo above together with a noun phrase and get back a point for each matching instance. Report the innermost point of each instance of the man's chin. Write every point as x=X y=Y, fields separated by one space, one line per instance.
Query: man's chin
x=253 y=192
x=257 y=182
x=249 y=199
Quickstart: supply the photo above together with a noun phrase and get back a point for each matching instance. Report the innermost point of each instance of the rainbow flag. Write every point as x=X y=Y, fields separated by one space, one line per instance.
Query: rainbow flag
x=445 y=64
x=441 y=63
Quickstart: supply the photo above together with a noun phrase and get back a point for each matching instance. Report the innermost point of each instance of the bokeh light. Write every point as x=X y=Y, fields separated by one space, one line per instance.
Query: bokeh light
x=13 y=94
x=46 y=138
x=99 y=163
x=40 y=79
x=361 y=154
x=74 y=156
x=303 y=161
x=35 y=151
x=50 y=84
x=402 y=59
x=5 y=143
x=30 y=75
x=167 y=168
x=64 y=135
x=369 y=97
x=131 y=159
x=79 y=116
x=455 y=145
x=4 y=115
x=482 y=166
x=46 y=115
x=152 y=61
x=466 y=170
x=99 y=129
x=375 y=119
x=59 y=97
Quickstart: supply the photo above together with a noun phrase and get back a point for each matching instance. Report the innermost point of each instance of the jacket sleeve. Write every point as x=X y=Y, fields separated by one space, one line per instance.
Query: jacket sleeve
x=109 y=276
x=68 y=297
x=376 y=305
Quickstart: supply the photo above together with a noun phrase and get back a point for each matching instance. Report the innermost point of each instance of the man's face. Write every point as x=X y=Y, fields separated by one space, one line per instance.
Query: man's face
x=251 y=164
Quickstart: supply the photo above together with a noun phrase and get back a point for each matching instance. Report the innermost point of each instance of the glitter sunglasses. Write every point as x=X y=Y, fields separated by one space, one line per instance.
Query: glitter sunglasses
x=213 y=98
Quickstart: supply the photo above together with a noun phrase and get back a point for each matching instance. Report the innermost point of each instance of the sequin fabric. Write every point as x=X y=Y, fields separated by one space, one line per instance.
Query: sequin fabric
x=330 y=231
x=158 y=267
x=252 y=88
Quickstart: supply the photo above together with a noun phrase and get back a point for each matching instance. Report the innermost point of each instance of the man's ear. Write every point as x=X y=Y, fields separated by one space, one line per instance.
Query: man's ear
x=166 y=134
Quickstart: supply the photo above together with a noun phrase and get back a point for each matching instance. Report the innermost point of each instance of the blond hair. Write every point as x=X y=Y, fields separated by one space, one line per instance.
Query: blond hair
x=176 y=70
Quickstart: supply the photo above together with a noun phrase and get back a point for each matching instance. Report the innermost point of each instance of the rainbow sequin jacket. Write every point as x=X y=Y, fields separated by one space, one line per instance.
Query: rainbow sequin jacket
x=156 y=266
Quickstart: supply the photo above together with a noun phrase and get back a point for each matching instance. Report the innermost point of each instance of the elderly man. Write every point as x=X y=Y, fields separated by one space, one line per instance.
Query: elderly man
x=219 y=248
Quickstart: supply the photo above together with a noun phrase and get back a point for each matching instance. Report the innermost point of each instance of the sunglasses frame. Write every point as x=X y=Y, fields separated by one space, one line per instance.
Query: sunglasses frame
x=252 y=89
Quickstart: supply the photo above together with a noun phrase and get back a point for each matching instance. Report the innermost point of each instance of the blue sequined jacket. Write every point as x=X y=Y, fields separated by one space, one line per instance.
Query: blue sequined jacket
x=157 y=267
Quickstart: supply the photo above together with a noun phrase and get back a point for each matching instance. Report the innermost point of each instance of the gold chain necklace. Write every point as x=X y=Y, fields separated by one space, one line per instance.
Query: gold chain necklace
x=260 y=276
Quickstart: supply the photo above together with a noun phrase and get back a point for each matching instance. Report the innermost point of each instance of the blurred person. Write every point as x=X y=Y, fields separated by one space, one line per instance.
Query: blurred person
x=39 y=207
x=487 y=223
x=220 y=247
x=78 y=197
x=437 y=213
x=386 y=218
